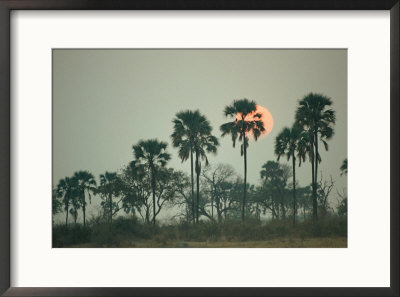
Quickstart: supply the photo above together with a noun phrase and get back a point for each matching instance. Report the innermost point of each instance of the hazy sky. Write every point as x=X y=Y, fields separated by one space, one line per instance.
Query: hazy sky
x=105 y=101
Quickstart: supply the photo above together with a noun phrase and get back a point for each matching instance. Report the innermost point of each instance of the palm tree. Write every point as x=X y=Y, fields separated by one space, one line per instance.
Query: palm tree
x=151 y=154
x=286 y=143
x=192 y=134
x=314 y=117
x=204 y=143
x=65 y=191
x=85 y=183
x=246 y=121
x=183 y=137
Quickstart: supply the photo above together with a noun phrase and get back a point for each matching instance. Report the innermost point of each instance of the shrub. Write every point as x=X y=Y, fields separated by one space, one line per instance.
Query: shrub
x=67 y=235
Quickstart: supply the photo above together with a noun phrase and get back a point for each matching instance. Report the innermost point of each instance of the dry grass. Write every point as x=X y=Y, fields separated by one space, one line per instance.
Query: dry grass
x=323 y=242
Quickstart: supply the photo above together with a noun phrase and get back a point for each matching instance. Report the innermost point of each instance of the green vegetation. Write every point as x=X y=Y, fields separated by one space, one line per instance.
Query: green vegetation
x=226 y=211
x=129 y=232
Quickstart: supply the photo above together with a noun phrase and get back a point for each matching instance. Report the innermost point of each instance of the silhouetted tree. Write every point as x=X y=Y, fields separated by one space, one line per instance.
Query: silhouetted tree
x=305 y=199
x=85 y=183
x=151 y=154
x=110 y=187
x=56 y=204
x=137 y=190
x=276 y=176
x=220 y=181
x=246 y=121
x=324 y=188
x=65 y=190
x=192 y=134
x=204 y=143
x=183 y=136
x=75 y=201
x=183 y=198
x=342 y=203
x=286 y=143
x=316 y=119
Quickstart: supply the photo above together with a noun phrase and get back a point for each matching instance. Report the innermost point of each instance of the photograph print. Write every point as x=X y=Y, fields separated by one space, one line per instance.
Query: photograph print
x=199 y=148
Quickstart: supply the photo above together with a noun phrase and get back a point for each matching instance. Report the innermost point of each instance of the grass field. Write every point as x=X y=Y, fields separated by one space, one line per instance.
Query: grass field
x=127 y=233
x=323 y=242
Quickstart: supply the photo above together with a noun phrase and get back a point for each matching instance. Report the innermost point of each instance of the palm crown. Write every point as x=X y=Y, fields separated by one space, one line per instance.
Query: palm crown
x=246 y=121
x=151 y=153
x=287 y=141
x=109 y=183
x=185 y=129
x=313 y=115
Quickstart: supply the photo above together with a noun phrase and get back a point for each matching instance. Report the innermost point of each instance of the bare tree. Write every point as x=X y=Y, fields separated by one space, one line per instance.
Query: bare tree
x=324 y=189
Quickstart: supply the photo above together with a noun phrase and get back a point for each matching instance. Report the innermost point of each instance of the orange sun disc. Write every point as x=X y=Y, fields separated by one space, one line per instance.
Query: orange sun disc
x=266 y=118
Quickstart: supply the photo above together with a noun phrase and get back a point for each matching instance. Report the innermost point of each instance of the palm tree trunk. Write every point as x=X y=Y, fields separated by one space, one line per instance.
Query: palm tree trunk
x=294 y=189
x=316 y=174
x=110 y=208
x=197 y=187
x=84 y=209
x=245 y=175
x=192 y=179
x=153 y=186
x=314 y=196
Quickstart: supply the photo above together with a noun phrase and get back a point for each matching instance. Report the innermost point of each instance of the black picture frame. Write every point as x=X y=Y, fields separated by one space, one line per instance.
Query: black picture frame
x=6 y=6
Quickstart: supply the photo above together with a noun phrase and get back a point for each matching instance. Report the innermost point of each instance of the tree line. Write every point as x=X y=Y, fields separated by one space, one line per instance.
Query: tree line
x=146 y=185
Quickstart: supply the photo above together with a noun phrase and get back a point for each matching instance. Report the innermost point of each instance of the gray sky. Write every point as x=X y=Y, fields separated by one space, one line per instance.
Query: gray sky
x=104 y=101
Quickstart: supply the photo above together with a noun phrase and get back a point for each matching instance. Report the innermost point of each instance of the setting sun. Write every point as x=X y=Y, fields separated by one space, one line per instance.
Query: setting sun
x=266 y=118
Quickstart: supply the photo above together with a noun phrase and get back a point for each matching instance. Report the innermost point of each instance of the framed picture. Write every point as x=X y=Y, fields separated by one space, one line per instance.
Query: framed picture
x=199 y=148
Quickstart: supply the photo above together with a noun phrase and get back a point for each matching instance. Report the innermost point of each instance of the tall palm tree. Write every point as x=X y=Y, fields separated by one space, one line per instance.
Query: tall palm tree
x=151 y=154
x=314 y=116
x=286 y=143
x=185 y=126
x=65 y=191
x=245 y=121
x=192 y=135
x=85 y=183
x=204 y=143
